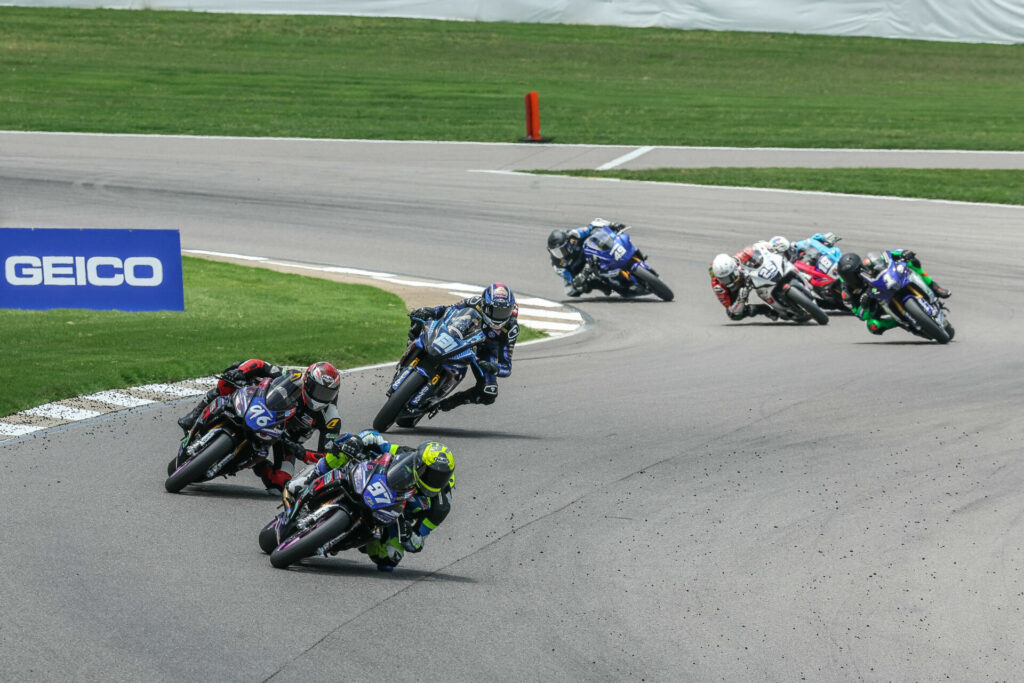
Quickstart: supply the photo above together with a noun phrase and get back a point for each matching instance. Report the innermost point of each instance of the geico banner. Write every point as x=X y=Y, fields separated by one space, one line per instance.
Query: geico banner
x=126 y=270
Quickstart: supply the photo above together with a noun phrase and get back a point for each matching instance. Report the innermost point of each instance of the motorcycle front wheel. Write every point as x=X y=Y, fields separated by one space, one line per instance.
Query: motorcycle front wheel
x=654 y=284
x=195 y=469
x=306 y=543
x=386 y=416
x=925 y=322
x=803 y=301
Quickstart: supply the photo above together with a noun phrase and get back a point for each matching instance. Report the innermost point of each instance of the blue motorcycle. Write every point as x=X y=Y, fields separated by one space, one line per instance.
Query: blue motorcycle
x=905 y=296
x=612 y=259
x=432 y=365
x=345 y=508
x=233 y=433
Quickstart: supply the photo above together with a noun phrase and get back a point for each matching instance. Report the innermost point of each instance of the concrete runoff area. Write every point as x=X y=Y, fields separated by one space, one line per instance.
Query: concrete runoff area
x=667 y=496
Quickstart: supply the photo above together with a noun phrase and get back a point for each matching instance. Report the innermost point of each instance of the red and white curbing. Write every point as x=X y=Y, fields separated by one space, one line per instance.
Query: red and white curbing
x=551 y=317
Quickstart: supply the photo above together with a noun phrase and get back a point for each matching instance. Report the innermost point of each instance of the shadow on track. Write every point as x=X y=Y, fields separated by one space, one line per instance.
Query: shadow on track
x=463 y=433
x=208 y=490
x=345 y=567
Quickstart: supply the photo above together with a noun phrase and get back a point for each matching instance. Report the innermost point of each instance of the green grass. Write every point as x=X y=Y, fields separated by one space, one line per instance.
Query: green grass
x=997 y=187
x=346 y=77
x=231 y=313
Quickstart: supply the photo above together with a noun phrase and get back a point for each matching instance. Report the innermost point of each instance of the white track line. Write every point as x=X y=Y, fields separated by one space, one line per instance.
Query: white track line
x=638 y=152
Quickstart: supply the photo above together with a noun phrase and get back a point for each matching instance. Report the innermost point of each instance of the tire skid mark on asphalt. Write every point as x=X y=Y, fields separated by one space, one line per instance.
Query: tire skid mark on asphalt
x=551 y=317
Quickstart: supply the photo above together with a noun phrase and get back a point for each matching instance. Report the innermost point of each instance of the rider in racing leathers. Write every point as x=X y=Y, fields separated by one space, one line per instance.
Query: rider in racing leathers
x=731 y=284
x=497 y=306
x=317 y=410
x=432 y=466
x=566 y=251
x=857 y=294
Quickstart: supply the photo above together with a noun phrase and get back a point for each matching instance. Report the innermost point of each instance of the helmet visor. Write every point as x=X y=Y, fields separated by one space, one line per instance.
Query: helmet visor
x=318 y=395
x=498 y=313
x=560 y=251
x=432 y=481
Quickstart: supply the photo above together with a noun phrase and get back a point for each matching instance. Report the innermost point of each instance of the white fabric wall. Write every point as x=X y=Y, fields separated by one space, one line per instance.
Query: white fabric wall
x=985 y=21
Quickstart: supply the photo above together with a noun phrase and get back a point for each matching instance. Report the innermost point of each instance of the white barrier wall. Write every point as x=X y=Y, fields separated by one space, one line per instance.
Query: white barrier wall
x=983 y=21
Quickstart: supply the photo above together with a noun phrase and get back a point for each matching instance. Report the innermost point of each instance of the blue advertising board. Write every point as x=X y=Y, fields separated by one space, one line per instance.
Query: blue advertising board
x=125 y=270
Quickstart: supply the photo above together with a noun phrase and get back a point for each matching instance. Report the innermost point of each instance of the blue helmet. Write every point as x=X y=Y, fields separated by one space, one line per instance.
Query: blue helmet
x=497 y=305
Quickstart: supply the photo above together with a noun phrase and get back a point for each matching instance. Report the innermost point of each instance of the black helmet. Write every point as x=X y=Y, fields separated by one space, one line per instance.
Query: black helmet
x=849 y=267
x=558 y=244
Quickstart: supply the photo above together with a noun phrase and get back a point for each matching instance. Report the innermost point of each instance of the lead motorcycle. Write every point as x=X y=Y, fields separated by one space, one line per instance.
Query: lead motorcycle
x=233 y=433
x=432 y=365
x=905 y=296
x=345 y=508
x=783 y=287
x=612 y=258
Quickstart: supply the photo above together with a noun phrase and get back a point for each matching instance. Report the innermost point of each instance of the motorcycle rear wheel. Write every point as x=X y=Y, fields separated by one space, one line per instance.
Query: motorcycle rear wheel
x=653 y=283
x=806 y=303
x=927 y=324
x=310 y=540
x=386 y=416
x=195 y=469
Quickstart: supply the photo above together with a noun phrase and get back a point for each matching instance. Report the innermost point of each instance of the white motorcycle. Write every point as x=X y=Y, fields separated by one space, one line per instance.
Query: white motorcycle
x=783 y=287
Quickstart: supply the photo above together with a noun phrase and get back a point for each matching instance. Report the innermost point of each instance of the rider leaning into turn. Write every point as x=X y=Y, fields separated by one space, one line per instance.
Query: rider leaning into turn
x=732 y=286
x=565 y=247
x=428 y=469
x=857 y=294
x=317 y=411
x=497 y=306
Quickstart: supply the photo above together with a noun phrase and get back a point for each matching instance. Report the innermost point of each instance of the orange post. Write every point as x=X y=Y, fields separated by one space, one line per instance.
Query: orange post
x=532 y=116
x=533 y=120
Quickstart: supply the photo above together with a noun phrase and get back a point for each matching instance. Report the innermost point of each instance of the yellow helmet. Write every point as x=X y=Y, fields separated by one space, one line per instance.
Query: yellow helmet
x=433 y=467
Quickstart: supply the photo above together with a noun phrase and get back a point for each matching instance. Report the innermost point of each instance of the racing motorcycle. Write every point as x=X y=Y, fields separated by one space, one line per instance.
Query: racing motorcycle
x=432 y=365
x=233 y=433
x=825 y=287
x=612 y=258
x=905 y=296
x=783 y=287
x=345 y=508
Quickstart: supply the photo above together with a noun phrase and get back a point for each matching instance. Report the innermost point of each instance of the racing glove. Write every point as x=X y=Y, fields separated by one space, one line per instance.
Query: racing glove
x=422 y=313
x=234 y=376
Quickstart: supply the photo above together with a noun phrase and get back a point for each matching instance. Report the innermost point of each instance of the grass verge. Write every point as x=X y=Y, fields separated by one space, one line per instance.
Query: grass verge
x=347 y=77
x=990 y=186
x=232 y=313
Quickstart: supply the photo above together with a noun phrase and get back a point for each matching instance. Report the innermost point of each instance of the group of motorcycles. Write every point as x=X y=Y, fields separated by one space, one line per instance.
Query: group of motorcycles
x=361 y=501
x=806 y=284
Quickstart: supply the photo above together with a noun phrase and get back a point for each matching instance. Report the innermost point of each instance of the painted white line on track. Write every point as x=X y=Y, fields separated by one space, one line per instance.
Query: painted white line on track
x=8 y=429
x=170 y=390
x=638 y=152
x=54 y=411
x=117 y=398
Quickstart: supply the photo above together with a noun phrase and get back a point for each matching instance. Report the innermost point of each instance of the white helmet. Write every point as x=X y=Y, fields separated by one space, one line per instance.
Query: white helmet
x=725 y=268
x=778 y=244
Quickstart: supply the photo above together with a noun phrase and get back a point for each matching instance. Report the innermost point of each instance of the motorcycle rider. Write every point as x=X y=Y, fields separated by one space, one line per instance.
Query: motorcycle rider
x=428 y=469
x=497 y=306
x=566 y=251
x=732 y=286
x=857 y=294
x=316 y=392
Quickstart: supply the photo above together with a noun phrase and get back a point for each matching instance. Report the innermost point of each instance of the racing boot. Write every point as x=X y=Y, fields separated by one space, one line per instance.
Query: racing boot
x=186 y=421
x=456 y=400
x=940 y=292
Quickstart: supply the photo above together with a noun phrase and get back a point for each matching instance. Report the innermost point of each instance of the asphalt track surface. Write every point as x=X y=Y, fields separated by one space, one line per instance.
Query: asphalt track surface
x=666 y=496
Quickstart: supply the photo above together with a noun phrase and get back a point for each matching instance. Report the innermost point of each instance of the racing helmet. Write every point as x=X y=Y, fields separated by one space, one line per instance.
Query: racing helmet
x=751 y=257
x=497 y=305
x=433 y=467
x=320 y=383
x=558 y=244
x=778 y=244
x=849 y=267
x=726 y=269
x=874 y=262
